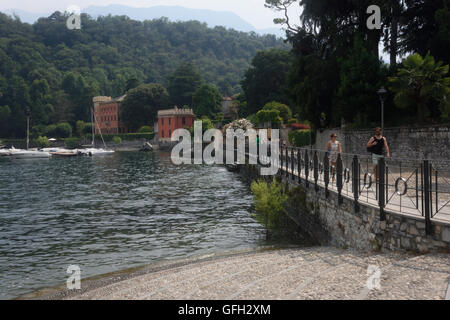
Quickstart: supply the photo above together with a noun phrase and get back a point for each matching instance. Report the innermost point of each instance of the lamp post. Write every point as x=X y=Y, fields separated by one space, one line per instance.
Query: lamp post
x=382 y=93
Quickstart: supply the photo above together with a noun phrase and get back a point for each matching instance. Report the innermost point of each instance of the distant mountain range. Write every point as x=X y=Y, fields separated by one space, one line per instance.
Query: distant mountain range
x=174 y=13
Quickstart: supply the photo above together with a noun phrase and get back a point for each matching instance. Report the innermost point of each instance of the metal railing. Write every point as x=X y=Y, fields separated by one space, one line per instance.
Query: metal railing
x=412 y=187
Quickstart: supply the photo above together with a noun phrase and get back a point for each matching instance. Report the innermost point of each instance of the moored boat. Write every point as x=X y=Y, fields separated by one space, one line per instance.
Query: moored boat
x=9 y=152
x=28 y=154
x=94 y=152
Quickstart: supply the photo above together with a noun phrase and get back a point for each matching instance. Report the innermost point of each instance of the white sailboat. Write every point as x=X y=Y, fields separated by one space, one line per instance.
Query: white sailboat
x=92 y=151
x=28 y=154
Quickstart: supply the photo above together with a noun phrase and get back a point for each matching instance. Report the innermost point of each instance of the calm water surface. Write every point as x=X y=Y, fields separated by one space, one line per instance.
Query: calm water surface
x=114 y=212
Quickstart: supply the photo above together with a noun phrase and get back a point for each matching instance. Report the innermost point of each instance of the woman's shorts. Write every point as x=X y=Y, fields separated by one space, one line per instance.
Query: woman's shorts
x=376 y=158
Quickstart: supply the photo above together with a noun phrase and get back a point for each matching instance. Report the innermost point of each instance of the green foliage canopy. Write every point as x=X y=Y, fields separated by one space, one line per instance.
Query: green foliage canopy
x=207 y=101
x=141 y=105
x=183 y=83
x=420 y=83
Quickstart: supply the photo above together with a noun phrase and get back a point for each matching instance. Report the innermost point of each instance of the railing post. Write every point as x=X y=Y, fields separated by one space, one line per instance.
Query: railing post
x=426 y=191
x=339 y=183
x=306 y=169
x=281 y=159
x=299 y=164
x=287 y=161
x=355 y=181
x=381 y=184
x=292 y=164
x=316 y=171
x=326 y=173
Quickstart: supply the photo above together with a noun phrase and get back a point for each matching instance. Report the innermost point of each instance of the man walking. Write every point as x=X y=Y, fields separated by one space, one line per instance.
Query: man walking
x=376 y=146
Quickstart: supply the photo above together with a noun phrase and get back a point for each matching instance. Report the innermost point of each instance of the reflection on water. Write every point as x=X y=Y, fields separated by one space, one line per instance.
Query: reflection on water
x=111 y=213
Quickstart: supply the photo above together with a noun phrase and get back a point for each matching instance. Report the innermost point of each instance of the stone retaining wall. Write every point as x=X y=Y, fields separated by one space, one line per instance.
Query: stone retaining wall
x=341 y=225
x=412 y=143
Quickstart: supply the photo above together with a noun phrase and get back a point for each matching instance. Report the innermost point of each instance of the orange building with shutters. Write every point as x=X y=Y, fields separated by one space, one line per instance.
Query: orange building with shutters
x=173 y=119
x=107 y=115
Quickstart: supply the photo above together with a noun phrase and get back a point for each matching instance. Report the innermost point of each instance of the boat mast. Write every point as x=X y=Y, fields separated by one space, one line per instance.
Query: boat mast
x=28 y=126
x=92 y=125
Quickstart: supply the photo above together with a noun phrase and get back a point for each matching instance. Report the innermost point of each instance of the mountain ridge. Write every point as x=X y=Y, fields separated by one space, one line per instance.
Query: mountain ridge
x=212 y=18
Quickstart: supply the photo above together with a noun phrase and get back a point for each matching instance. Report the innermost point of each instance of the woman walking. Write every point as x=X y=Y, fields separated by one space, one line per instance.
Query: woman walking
x=333 y=148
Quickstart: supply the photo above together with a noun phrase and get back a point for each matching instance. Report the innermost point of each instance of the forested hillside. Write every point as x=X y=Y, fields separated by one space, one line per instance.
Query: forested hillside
x=56 y=71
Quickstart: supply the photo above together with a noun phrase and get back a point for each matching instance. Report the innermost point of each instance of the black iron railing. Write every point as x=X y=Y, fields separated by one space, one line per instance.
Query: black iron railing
x=412 y=187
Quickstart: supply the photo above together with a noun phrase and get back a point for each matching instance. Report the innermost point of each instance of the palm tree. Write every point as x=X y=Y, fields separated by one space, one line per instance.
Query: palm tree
x=419 y=82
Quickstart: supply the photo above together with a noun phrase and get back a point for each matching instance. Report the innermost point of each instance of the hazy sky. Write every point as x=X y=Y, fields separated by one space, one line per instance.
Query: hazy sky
x=253 y=11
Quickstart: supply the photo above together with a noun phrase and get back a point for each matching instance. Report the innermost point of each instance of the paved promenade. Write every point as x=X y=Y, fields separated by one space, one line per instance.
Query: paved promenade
x=303 y=273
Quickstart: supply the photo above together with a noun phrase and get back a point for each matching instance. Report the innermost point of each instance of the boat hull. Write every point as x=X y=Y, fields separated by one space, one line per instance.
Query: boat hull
x=30 y=155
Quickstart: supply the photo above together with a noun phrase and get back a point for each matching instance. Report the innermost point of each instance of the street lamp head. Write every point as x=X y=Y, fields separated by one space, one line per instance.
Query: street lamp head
x=382 y=93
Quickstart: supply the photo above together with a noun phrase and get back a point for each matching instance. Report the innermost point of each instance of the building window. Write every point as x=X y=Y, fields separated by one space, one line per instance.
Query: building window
x=162 y=122
x=162 y=133
x=170 y=122
x=170 y=133
x=183 y=121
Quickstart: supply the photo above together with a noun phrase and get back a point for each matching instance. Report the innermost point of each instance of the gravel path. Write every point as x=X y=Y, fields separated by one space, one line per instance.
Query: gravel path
x=303 y=273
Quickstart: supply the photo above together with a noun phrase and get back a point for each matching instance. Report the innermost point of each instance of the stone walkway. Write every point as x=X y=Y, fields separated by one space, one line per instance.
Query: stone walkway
x=407 y=204
x=290 y=274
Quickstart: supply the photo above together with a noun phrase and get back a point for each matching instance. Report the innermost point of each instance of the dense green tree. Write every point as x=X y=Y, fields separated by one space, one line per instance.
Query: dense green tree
x=207 y=101
x=183 y=83
x=110 y=56
x=314 y=82
x=266 y=79
x=5 y=114
x=425 y=28
x=361 y=76
x=60 y=130
x=132 y=83
x=79 y=128
x=141 y=105
x=442 y=16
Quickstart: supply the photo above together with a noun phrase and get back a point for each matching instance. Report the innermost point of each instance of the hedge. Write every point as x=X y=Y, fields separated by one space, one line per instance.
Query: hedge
x=124 y=137
x=300 y=138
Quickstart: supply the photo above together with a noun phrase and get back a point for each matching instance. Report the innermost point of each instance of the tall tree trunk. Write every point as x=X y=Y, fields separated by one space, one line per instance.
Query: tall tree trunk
x=373 y=37
x=394 y=39
x=421 y=113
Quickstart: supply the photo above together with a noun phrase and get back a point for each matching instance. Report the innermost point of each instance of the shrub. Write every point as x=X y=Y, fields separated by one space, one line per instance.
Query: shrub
x=50 y=130
x=63 y=130
x=285 y=112
x=42 y=142
x=269 y=202
x=272 y=116
x=117 y=140
x=87 y=128
x=206 y=125
x=145 y=129
x=60 y=130
x=300 y=138
x=124 y=137
x=72 y=143
x=37 y=131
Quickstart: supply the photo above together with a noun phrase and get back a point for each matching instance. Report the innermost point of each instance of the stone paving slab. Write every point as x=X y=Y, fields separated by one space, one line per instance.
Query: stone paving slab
x=290 y=274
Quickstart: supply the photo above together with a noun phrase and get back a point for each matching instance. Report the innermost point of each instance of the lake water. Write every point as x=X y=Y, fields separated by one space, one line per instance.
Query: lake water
x=114 y=212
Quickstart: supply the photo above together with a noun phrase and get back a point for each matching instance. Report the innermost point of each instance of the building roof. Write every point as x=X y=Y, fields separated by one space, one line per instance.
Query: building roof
x=102 y=99
x=176 y=112
x=120 y=99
